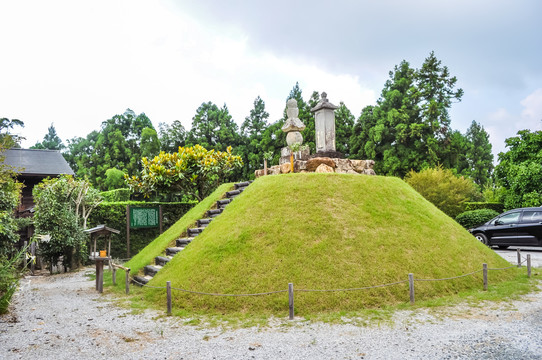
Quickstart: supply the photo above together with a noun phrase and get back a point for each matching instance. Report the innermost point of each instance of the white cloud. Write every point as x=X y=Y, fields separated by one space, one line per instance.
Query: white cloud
x=77 y=64
x=503 y=124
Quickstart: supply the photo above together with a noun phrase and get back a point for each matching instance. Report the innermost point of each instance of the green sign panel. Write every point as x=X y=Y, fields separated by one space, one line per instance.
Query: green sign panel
x=144 y=217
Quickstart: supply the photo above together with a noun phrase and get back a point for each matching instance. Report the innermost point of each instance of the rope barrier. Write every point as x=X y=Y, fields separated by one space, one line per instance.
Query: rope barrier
x=354 y=289
x=450 y=278
x=505 y=268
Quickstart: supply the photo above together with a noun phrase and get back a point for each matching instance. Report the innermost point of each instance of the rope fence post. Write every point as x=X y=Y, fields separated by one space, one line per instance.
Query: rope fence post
x=519 y=257
x=485 y=276
x=114 y=275
x=528 y=265
x=291 y=300
x=411 y=287
x=127 y=272
x=168 y=290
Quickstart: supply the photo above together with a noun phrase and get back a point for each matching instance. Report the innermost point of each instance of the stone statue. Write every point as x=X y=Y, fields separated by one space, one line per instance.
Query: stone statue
x=292 y=125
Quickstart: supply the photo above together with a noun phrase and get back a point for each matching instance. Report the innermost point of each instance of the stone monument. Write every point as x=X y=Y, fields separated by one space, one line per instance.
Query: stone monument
x=324 y=126
x=293 y=127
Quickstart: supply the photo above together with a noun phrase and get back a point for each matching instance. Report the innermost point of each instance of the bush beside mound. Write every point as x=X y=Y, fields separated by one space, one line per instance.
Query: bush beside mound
x=473 y=218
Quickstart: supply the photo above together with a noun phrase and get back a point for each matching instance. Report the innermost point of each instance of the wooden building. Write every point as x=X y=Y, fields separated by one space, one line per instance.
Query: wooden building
x=32 y=166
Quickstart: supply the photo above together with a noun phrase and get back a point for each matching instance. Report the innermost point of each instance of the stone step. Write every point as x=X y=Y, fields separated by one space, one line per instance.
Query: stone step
x=141 y=280
x=151 y=270
x=223 y=202
x=195 y=231
x=214 y=212
x=182 y=242
x=162 y=260
x=233 y=193
x=172 y=251
x=243 y=184
x=203 y=222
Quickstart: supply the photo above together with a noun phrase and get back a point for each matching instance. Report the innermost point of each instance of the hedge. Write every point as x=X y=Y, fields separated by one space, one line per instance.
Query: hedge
x=498 y=207
x=113 y=214
x=116 y=195
x=473 y=218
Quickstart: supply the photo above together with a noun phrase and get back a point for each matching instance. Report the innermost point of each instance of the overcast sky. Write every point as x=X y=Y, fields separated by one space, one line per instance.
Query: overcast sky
x=76 y=64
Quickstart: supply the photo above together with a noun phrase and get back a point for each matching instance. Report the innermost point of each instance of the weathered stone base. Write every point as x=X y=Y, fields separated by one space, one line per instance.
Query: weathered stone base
x=329 y=154
x=323 y=165
x=300 y=155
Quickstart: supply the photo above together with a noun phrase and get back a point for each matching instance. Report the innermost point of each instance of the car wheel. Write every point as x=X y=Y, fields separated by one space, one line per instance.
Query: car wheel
x=503 y=247
x=482 y=238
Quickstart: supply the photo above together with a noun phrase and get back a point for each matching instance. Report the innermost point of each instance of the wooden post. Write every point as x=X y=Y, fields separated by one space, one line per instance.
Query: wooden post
x=128 y=231
x=528 y=265
x=33 y=253
x=109 y=251
x=127 y=273
x=168 y=288
x=411 y=287
x=264 y=167
x=100 y=275
x=291 y=161
x=485 y=276
x=291 y=300
x=519 y=257
x=160 y=218
x=114 y=276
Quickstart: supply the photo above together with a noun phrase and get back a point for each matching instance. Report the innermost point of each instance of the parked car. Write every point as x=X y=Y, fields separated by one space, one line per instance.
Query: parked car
x=518 y=227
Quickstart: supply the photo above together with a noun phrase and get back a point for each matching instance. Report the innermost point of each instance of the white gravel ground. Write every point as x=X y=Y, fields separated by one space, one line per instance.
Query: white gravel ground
x=62 y=317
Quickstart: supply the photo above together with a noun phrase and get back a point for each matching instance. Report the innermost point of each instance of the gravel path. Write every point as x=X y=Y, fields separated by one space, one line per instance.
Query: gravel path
x=62 y=316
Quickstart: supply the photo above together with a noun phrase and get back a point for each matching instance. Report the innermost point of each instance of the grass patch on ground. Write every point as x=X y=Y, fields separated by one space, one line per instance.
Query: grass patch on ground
x=323 y=231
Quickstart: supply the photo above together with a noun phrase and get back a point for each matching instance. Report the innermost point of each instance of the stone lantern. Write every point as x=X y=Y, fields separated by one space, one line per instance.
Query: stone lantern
x=324 y=124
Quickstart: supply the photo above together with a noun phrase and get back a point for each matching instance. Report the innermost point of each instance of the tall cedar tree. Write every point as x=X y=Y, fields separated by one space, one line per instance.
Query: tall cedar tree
x=252 y=131
x=51 y=141
x=409 y=128
x=171 y=136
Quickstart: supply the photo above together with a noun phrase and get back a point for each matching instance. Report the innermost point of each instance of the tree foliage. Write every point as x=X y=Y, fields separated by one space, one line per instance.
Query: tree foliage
x=409 y=127
x=120 y=144
x=519 y=170
x=63 y=206
x=192 y=170
x=443 y=188
x=51 y=141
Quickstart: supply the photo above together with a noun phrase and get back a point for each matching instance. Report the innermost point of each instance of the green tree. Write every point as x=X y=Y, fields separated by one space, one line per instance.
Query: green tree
x=7 y=139
x=252 y=131
x=344 y=126
x=519 y=170
x=171 y=136
x=118 y=145
x=51 y=141
x=63 y=206
x=213 y=128
x=193 y=171
x=114 y=179
x=150 y=145
x=409 y=128
x=444 y=189
x=479 y=156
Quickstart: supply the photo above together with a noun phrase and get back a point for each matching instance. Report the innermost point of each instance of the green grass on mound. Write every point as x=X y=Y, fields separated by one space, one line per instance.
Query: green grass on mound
x=323 y=231
x=167 y=238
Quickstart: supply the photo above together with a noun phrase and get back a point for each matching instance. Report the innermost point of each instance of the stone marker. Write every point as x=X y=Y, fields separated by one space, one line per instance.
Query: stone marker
x=324 y=123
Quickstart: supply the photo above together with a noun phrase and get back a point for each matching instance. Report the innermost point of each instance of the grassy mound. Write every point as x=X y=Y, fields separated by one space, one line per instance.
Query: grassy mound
x=324 y=231
x=167 y=238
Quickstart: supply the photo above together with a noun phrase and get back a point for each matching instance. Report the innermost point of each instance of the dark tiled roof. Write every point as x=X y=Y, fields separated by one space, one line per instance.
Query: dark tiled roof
x=37 y=162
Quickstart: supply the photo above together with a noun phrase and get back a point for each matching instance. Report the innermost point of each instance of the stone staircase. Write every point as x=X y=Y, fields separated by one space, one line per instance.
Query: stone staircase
x=181 y=243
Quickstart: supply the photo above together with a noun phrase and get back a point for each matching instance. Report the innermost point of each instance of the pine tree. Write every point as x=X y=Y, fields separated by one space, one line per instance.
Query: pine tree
x=344 y=126
x=51 y=141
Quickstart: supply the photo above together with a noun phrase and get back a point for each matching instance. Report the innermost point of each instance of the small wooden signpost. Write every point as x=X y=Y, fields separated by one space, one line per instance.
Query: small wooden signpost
x=100 y=256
